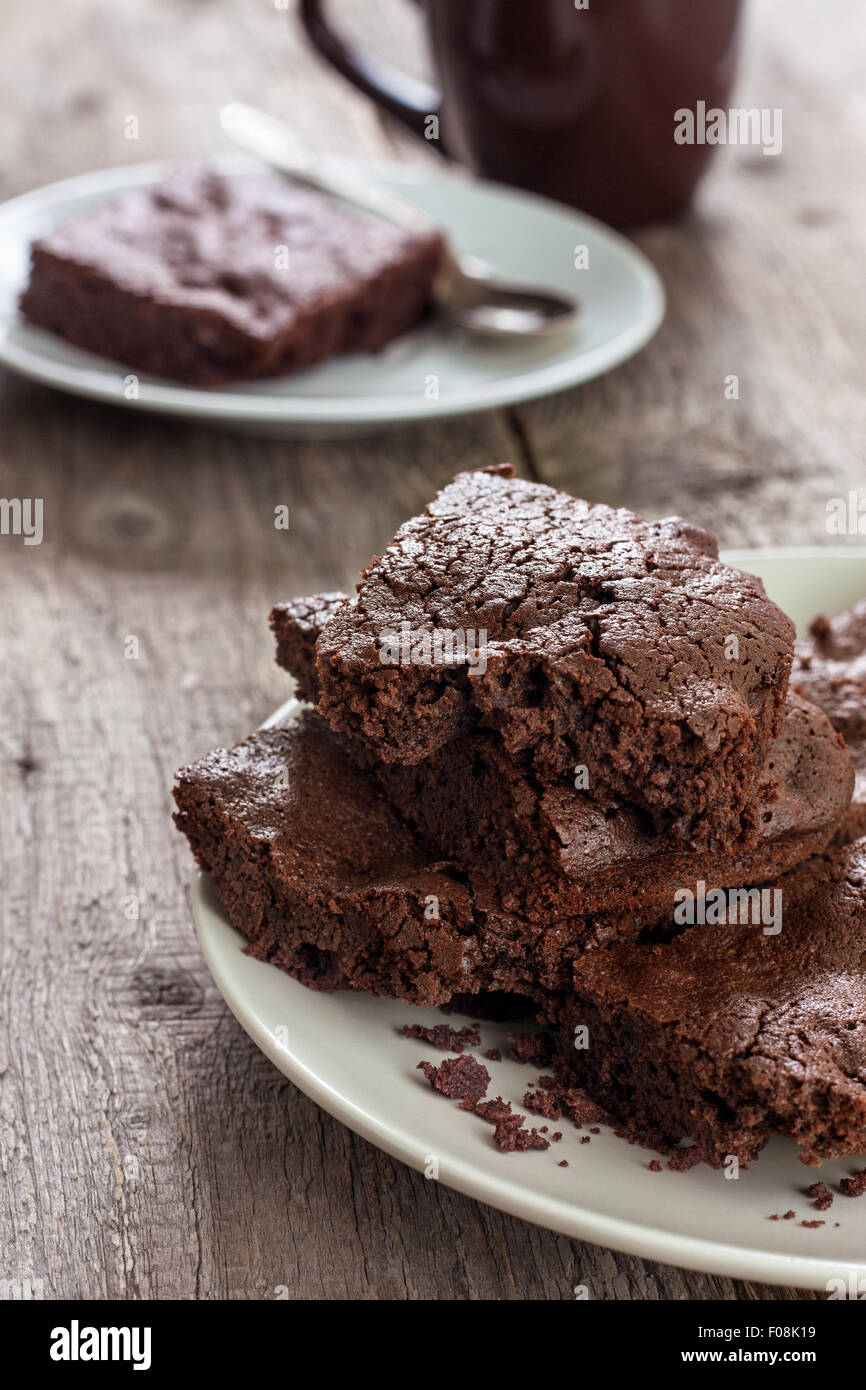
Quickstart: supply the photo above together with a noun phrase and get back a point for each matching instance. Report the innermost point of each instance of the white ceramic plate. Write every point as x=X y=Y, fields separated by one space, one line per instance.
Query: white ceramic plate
x=523 y=236
x=344 y=1051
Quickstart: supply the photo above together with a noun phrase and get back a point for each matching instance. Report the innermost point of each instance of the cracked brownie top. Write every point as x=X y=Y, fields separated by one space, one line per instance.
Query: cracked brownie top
x=584 y=635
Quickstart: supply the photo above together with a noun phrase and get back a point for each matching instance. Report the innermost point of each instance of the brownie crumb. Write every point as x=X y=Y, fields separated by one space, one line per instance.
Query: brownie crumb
x=812 y=1225
x=520 y=1139
x=556 y=1095
x=460 y=1078
x=543 y=1103
x=509 y=1133
x=572 y=1101
x=822 y=1197
x=563 y=1163
x=854 y=1186
x=577 y=1105
x=538 y=1049
x=555 y=1138
x=585 y=1139
x=493 y=1110
x=684 y=1159
x=493 y=1054
x=443 y=1036
x=774 y=1216
x=788 y=1215
x=655 y=1167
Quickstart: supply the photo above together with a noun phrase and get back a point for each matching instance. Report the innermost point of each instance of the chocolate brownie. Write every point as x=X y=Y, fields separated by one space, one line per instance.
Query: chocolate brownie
x=324 y=879
x=555 y=851
x=727 y=1033
x=583 y=636
x=830 y=670
x=296 y=626
x=205 y=278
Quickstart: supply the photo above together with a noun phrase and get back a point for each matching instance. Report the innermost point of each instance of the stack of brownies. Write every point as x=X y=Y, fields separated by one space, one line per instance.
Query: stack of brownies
x=554 y=752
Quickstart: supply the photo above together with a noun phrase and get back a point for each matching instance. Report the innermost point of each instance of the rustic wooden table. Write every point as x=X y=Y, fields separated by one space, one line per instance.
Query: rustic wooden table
x=148 y=1148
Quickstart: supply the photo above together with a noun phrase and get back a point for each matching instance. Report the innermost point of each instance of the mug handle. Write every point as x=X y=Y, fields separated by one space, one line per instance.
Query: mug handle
x=405 y=97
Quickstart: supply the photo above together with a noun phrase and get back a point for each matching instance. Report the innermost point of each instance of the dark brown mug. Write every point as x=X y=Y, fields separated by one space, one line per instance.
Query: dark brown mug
x=576 y=102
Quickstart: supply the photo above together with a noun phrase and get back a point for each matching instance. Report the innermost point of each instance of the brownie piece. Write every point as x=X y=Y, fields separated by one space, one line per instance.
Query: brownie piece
x=830 y=670
x=296 y=626
x=324 y=879
x=554 y=850
x=304 y=854
x=583 y=636
x=726 y=1034
x=205 y=278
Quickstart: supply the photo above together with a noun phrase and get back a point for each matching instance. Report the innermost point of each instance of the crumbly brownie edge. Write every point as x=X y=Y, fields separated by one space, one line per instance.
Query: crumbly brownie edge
x=465 y=820
x=655 y=1091
x=295 y=626
x=380 y=940
x=728 y=1032
x=493 y=820
x=377 y=927
x=377 y=941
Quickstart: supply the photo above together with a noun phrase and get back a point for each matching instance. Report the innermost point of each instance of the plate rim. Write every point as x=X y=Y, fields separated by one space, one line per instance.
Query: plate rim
x=227 y=406
x=578 y=1222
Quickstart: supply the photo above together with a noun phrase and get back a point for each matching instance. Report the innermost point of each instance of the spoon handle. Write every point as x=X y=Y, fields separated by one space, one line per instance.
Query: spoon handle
x=277 y=145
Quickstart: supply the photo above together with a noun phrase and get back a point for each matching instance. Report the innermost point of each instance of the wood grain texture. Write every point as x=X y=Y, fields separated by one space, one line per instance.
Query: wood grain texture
x=147 y=1148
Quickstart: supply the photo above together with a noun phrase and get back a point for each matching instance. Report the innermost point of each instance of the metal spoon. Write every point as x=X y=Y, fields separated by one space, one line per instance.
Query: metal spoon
x=465 y=289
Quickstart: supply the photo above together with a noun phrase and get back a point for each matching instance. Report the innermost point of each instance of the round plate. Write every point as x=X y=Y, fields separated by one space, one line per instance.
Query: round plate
x=345 y=1051
x=522 y=236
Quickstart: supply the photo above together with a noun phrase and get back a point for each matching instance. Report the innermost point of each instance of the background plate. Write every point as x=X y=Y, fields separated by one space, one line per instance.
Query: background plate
x=344 y=1051
x=529 y=238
